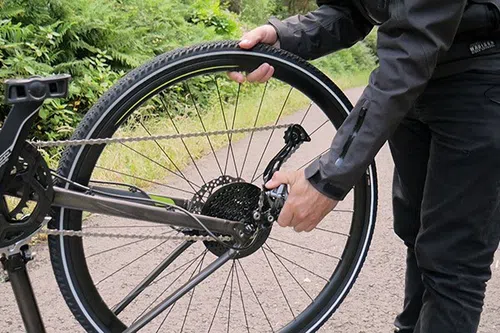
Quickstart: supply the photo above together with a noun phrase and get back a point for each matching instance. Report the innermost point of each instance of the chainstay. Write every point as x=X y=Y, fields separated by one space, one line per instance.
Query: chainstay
x=67 y=143
x=75 y=233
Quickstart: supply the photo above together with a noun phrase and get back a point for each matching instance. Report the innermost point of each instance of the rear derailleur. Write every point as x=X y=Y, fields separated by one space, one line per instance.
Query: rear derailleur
x=272 y=201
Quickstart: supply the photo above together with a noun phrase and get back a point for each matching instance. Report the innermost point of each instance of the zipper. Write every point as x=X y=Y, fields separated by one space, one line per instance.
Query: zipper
x=357 y=126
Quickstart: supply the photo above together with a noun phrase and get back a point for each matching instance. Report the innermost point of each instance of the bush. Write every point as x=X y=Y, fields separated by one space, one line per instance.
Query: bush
x=43 y=37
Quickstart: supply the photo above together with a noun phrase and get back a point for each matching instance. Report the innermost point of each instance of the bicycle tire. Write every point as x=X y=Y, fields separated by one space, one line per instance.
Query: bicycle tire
x=67 y=254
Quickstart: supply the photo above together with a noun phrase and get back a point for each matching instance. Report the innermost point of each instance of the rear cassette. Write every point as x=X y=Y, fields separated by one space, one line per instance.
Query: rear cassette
x=236 y=202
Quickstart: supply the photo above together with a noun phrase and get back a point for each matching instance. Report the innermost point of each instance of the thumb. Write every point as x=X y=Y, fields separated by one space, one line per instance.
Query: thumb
x=264 y=34
x=280 y=177
x=250 y=39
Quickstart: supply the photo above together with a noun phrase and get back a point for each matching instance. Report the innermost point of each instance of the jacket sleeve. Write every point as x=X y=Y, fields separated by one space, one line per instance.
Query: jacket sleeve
x=334 y=25
x=409 y=45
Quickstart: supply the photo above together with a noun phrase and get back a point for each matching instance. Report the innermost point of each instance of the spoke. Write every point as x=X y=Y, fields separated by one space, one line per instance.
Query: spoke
x=230 y=147
x=286 y=268
x=166 y=316
x=175 y=270
x=271 y=135
x=230 y=137
x=343 y=211
x=124 y=245
x=305 y=248
x=230 y=297
x=254 y=124
x=317 y=129
x=278 y=282
x=242 y=302
x=165 y=290
x=200 y=266
x=220 y=298
x=333 y=232
x=146 y=282
x=143 y=179
x=183 y=142
x=172 y=307
x=131 y=262
x=255 y=294
x=161 y=166
x=181 y=175
x=204 y=128
x=180 y=292
x=306 y=113
x=313 y=159
x=294 y=263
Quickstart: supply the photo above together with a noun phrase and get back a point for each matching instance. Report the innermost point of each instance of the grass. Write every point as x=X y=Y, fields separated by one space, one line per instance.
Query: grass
x=124 y=159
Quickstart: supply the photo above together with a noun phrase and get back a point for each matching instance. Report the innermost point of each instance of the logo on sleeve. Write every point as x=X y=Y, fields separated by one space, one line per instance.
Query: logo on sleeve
x=481 y=46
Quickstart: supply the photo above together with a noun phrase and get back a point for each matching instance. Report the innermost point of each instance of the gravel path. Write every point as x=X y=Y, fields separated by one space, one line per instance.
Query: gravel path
x=370 y=307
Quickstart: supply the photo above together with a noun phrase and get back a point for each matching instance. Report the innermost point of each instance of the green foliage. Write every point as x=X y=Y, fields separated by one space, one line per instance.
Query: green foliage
x=43 y=37
x=97 y=42
x=359 y=58
x=257 y=12
x=211 y=15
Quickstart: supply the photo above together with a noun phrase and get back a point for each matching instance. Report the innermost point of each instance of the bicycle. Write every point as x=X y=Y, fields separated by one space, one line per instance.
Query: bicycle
x=217 y=212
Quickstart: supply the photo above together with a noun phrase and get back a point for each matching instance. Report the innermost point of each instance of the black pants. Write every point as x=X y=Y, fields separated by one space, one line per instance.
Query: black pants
x=446 y=201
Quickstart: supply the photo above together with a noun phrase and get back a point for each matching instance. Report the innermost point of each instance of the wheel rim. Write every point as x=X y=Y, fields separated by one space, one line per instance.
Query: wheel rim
x=270 y=254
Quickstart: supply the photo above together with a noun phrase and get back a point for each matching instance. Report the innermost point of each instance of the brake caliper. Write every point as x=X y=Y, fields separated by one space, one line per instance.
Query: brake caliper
x=271 y=201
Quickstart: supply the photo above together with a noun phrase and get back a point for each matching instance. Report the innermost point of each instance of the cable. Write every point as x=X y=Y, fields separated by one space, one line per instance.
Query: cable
x=165 y=205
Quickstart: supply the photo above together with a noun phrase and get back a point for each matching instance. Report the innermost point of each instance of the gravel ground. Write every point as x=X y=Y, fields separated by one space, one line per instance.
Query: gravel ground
x=370 y=306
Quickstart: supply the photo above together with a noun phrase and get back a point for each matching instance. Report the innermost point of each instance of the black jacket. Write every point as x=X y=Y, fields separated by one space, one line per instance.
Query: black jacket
x=413 y=36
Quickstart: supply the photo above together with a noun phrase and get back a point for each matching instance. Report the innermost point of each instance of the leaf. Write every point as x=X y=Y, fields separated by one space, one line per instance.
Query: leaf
x=43 y=113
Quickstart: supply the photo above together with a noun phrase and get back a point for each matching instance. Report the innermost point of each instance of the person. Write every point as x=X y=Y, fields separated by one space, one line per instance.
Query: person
x=435 y=97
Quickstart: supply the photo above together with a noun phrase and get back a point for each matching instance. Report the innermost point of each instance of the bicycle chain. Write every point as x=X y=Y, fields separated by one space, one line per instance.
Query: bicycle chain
x=68 y=143
x=74 y=233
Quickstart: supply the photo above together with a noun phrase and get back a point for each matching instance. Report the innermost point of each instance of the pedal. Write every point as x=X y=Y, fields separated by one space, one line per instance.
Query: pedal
x=36 y=89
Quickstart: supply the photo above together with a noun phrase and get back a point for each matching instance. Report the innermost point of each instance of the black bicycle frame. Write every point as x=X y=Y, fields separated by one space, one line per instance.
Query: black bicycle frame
x=27 y=96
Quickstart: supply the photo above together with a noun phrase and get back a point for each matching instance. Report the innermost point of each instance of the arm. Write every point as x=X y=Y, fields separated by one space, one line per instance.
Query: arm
x=409 y=45
x=335 y=25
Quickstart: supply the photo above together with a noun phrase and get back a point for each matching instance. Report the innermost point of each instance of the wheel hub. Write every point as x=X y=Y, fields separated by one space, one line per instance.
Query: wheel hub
x=236 y=202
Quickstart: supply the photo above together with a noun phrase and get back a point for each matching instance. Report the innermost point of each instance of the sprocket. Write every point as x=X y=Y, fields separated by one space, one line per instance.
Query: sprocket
x=236 y=202
x=27 y=193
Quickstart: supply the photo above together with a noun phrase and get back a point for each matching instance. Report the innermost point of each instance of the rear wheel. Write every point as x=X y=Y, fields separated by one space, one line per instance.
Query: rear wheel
x=289 y=282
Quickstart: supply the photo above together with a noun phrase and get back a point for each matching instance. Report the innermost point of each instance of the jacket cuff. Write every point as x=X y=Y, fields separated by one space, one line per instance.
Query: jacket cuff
x=313 y=175
x=286 y=41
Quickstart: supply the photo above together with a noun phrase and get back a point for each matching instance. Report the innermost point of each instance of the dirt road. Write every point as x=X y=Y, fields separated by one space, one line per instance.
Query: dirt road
x=370 y=307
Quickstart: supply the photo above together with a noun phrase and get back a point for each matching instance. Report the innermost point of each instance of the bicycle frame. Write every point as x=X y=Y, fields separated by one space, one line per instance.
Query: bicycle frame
x=27 y=96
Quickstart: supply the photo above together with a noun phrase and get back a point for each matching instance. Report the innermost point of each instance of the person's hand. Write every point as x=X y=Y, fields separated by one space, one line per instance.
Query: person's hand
x=305 y=207
x=264 y=34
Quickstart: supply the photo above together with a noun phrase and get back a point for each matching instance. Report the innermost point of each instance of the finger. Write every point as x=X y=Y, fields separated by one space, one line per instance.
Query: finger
x=268 y=75
x=286 y=215
x=301 y=227
x=280 y=177
x=259 y=73
x=310 y=228
x=236 y=76
x=250 y=39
